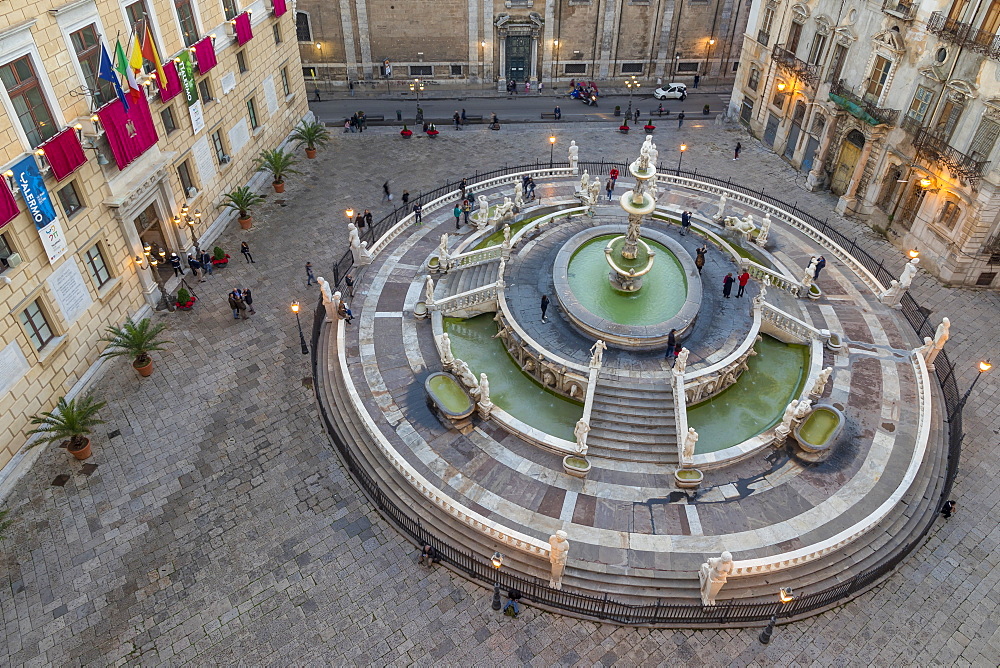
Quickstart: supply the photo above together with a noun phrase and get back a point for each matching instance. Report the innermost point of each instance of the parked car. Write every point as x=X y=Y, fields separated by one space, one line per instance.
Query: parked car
x=676 y=91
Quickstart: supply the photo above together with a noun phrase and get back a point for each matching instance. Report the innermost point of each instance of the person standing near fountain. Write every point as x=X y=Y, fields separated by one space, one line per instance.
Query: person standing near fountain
x=685 y=222
x=744 y=278
x=727 y=285
x=610 y=187
x=671 y=346
x=699 y=260
x=545 y=306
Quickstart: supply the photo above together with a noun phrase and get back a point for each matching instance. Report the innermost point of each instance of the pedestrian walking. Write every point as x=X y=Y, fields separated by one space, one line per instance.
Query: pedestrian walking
x=465 y=119
x=457 y=118
x=316 y=96
x=466 y=210
x=609 y=186
x=175 y=264
x=237 y=304
x=671 y=346
x=636 y=117
x=248 y=299
x=512 y=609
x=386 y=195
x=727 y=285
x=697 y=80
x=463 y=185
x=545 y=306
x=531 y=189
x=245 y=249
x=743 y=278
x=344 y=312
x=557 y=112
x=368 y=218
x=206 y=263
x=406 y=197
x=527 y=86
x=736 y=151
x=417 y=213
x=195 y=268
x=310 y=276
x=349 y=282
x=820 y=263
x=699 y=260
x=614 y=175
x=458 y=215
x=685 y=222
x=948 y=509
x=680 y=119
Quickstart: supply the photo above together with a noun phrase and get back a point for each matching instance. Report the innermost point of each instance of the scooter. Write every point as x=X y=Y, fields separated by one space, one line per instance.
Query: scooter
x=590 y=100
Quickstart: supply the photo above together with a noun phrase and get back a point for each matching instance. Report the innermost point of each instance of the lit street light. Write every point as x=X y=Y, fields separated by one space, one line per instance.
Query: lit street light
x=631 y=84
x=415 y=87
x=680 y=156
x=982 y=367
x=497 y=561
x=552 y=146
x=302 y=339
x=785 y=596
x=151 y=263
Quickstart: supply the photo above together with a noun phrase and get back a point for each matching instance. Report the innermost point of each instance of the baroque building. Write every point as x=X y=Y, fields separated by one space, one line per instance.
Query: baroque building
x=895 y=108
x=96 y=182
x=490 y=42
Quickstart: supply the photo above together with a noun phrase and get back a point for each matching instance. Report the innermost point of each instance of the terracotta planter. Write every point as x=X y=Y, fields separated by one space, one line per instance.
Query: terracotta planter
x=310 y=153
x=279 y=186
x=246 y=223
x=144 y=370
x=83 y=453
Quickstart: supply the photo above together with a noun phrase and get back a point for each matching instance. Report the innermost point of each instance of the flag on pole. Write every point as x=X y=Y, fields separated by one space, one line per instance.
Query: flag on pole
x=150 y=54
x=135 y=56
x=107 y=72
x=122 y=66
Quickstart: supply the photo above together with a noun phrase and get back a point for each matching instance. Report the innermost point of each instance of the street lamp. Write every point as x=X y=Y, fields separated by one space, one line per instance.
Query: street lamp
x=785 y=596
x=151 y=263
x=708 y=53
x=350 y=215
x=497 y=561
x=416 y=86
x=631 y=84
x=913 y=253
x=982 y=367
x=555 y=65
x=302 y=339
x=552 y=146
x=680 y=156
x=186 y=219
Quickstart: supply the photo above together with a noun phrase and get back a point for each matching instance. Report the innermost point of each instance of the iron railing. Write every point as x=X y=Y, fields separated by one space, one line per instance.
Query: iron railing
x=936 y=149
x=964 y=35
x=795 y=66
x=880 y=115
x=479 y=567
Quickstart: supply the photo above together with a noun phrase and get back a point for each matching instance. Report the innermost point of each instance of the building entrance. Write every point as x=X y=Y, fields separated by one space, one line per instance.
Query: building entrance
x=518 y=57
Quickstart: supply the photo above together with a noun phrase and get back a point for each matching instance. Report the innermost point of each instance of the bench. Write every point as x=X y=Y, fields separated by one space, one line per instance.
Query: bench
x=470 y=118
x=550 y=114
x=657 y=112
x=373 y=117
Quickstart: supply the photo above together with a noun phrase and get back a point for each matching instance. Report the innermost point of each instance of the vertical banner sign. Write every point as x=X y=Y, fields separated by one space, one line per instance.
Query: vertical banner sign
x=185 y=71
x=36 y=199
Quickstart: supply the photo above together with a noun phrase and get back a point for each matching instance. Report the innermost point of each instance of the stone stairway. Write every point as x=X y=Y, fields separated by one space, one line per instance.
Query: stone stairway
x=464 y=279
x=633 y=420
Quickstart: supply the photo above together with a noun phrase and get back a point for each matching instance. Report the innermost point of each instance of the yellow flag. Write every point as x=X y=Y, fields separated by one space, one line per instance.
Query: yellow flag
x=135 y=58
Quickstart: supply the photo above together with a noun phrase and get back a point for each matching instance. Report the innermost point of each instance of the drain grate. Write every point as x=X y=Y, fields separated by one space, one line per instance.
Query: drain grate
x=115 y=433
x=60 y=480
x=87 y=469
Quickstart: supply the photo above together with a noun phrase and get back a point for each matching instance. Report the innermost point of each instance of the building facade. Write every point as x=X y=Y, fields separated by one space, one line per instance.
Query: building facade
x=489 y=42
x=116 y=178
x=896 y=109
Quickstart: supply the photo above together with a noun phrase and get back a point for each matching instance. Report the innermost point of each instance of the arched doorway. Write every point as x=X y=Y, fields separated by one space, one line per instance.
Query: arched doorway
x=850 y=151
x=793 y=133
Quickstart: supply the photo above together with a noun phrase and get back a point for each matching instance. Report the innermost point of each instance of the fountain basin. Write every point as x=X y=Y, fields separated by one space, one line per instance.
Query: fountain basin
x=449 y=399
x=688 y=478
x=820 y=429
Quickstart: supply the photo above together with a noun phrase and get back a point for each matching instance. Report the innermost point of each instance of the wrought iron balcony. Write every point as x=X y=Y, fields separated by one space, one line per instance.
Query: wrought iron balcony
x=964 y=35
x=795 y=67
x=900 y=9
x=911 y=125
x=861 y=108
x=934 y=148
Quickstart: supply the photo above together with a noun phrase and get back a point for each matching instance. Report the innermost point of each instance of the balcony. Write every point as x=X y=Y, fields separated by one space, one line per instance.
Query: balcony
x=860 y=108
x=764 y=37
x=900 y=9
x=964 y=35
x=934 y=148
x=799 y=69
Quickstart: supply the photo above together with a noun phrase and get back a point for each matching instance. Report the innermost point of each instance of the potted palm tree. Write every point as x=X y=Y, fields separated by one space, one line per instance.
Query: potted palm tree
x=310 y=134
x=241 y=200
x=71 y=423
x=135 y=340
x=279 y=163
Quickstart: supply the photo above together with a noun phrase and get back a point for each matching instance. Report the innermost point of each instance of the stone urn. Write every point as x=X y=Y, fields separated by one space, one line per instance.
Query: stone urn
x=814 y=292
x=688 y=478
x=576 y=466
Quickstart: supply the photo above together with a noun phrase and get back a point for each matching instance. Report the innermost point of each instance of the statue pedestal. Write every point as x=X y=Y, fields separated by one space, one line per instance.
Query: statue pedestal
x=625 y=283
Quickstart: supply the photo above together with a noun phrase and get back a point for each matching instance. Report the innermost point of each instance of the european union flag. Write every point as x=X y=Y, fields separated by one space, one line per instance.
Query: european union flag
x=107 y=72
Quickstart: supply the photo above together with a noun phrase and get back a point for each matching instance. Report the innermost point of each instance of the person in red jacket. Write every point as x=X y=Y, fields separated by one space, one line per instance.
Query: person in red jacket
x=614 y=175
x=743 y=278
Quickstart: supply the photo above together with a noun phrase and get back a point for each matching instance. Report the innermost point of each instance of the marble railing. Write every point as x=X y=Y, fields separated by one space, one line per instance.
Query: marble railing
x=680 y=413
x=464 y=300
x=771 y=277
x=791 y=324
x=476 y=257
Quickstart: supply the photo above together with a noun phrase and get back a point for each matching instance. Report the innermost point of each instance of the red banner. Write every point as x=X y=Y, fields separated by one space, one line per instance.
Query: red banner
x=130 y=133
x=204 y=53
x=8 y=207
x=64 y=153
x=244 y=33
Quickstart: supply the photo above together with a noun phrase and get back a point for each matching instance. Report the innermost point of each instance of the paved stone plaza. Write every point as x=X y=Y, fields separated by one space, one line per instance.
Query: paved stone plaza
x=220 y=527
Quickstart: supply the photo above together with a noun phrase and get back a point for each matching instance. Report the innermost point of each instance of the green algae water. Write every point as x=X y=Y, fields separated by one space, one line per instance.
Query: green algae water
x=450 y=394
x=496 y=238
x=663 y=293
x=819 y=427
x=510 y=389
x=756 y=402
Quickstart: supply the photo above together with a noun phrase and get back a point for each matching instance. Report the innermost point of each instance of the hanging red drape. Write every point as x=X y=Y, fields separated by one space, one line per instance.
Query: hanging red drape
x=130 y=133
x=173 y=82
x=280 y=7
x=8 y=207
x=64 y=153
x=244 y=33
x=204 y=53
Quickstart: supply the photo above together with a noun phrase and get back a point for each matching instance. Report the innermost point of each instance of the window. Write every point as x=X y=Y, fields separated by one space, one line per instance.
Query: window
x=948 y=120
x=252 y=112
x=421 y=71
x=241 y=61
x=687 y=67
x=230 y=8
x=991 y=22
x=575 y=68
x=753 y=81
x=794 y=35
x=185 y=15
x=29 y=103
x=308 y=72
x=276 y=31
x=764 y=34
x=205 y=90
x=746 y=110
x=957 y=8
x=6 y=250
x=890 y=186
x=302 y=31
x=220 y=149
x=70 y=199
x=87 y=46
x=984 y=139
x=97 y=267
x=456 y=70
x=36 y=325
x=779 y=98
x=837 y=63
x=167 y=116
x=949 y=214
x=285 y=87
x=817 y=48
x=184 y=172
x=876 y=82
x=137 y=12
x=922 y=101
x=736 y=66
x=986 y=278
x=632 y=68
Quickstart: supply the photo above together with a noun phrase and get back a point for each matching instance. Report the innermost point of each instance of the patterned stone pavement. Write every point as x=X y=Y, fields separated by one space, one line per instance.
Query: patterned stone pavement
x=219 y=526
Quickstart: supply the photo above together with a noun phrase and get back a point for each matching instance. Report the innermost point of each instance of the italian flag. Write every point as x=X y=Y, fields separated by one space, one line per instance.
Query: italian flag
x=122 y=66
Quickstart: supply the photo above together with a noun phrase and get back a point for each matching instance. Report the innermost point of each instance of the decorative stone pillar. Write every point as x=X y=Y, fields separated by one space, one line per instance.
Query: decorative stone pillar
x=846 y=203
x=817 y=177
x=712 y=575
x=533 y=75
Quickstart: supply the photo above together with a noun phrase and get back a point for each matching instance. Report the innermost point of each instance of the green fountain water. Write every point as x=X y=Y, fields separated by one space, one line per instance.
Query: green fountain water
x=663 y=293
x=512 y=390
x=451 y=396
x=756 y=402
x=819 y=427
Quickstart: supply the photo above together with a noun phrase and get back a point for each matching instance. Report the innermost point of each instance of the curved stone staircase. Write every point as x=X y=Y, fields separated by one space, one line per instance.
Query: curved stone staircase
x=463 y=279
x=633 y=421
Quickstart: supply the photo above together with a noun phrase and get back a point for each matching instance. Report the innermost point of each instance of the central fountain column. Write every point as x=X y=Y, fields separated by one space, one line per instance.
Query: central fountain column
x=629 y=256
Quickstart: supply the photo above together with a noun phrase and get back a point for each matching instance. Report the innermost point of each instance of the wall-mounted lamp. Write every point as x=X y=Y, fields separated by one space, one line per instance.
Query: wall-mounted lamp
x=913 y=253
x=781 y=86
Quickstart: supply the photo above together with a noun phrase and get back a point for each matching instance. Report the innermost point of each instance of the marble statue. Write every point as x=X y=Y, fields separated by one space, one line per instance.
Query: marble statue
x=941 y=336
x=501 y=270
x=444 y=259
x=759 y=299
x=594 y=193
x=581 y=430
x=480 y=217
x=713 y=574
x=518 y=196
x=428 y=290
x=820 y=385
x=765 y=229
x=927 y=351
x=909 y=271
x=324 y=288
x=558 y=551
x=444 y=349
x=359 y=248
x=506 y=235
x=464 y=374
x=892 y=295
x=505 y=211
x=584 y=181
x=574 y=156
x=680 y=364
x=484 y=404
x=597 y=354
x=721 y=213
x=805 y=405
x=810 y=271
x=785 y=427
x=335 y=303
x=687 y=452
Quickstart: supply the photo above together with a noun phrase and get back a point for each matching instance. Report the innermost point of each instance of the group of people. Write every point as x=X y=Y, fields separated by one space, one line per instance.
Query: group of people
x=512 y=86
x=583 y=89
x=728 y=281
x=241 y=301
x=356 y=123
x=199 y=263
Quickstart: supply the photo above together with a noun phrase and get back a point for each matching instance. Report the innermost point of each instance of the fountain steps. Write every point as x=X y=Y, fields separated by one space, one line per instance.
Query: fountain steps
x=465 y=279
x=633 y=422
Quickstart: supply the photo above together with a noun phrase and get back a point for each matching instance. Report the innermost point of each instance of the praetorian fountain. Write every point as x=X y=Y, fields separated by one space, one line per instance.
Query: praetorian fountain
x=629 y=255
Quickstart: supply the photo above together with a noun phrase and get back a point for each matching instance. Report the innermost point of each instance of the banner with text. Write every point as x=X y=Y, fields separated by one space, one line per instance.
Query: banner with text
x=39 y=206
x=185 y=70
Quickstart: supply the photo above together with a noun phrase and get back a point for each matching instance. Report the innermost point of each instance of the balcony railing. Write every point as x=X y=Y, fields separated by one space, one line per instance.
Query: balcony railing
x=763 y=37
x=900 y=9
x=861 y=108
x=964 y=35
x=798 y=68
x=911 y=125
x=931 y=147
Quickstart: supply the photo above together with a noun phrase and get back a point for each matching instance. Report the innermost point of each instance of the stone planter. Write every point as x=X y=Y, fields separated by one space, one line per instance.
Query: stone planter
x=450 y=401
x=576 y=466
x=688 y=478
x=814 y=292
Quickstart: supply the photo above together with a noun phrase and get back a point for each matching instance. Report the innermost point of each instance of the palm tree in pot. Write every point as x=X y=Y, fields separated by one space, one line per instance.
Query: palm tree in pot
x=71 y=423
x=135 y=340
x=310 y=134
x=279 y=163
x=241 y=200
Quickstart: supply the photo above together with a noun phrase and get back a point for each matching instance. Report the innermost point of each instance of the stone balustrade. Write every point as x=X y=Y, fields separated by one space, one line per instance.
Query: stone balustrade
x=476 y=257
x=707 y=382
x=789 y=323
x=771 y=277
x=464 y=301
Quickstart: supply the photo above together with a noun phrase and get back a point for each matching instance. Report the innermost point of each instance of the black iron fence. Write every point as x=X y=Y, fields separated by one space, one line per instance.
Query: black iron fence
x=480 y=567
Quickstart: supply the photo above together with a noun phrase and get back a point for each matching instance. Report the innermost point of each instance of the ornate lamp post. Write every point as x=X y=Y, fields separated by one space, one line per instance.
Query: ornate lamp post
x=416 y=86
x=552 y=146
x=302 y=339
x=632 y=84
x=497 y=561
x=982 y=367
x=785 y=596
x=482 y=69
x=185 y=219
x=680 y=156
x=148 y=261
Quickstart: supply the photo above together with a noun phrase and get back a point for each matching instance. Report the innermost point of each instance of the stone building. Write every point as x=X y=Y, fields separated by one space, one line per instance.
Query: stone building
x=896 y=109
x=491 y=42
x=89 y=185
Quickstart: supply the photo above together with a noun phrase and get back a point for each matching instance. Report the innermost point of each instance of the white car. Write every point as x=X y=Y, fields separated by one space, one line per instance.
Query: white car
x=671 y=91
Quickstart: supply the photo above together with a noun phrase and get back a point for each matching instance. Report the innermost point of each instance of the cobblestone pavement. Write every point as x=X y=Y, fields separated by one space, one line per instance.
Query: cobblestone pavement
x=219 y=526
